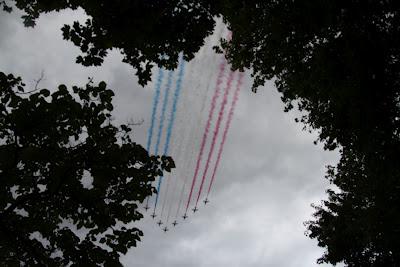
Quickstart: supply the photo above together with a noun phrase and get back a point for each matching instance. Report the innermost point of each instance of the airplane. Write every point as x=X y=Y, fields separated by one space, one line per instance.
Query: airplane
x=206 y=201
x=159 y=223
x=195 y=209
x=184 y=216
x=146 y=207
x=153 y=215
x=174 y=223
x=165 y=229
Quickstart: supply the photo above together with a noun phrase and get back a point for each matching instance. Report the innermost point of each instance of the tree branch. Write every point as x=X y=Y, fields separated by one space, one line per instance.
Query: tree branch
x=37 y=82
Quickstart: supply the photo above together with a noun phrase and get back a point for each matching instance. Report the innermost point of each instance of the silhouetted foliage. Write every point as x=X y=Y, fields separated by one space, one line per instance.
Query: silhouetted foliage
x=65 y=166
x=360 y=223
x=146 y=32
x=339 y=63
x=338 y=60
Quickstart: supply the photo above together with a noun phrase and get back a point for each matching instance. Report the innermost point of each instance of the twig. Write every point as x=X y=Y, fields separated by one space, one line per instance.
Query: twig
x=37 y=82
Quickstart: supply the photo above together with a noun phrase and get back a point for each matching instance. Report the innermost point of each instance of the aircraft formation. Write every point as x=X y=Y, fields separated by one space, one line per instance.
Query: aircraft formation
x=173 y=98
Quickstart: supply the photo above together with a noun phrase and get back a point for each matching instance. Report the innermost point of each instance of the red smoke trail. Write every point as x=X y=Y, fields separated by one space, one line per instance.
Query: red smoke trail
x=228 y=123
x=216 y=131
x=207 y=128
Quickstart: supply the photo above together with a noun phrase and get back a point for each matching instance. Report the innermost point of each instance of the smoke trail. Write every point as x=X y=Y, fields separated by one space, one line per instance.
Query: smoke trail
x=188 y=151
x=172 y=119
x=192 y=154
x=154 y=108
x=165 y=197
x=227 y=125
x=207 y=128
x=216 y=131
x=164 y=107
x=153 y=114
x=175 y=104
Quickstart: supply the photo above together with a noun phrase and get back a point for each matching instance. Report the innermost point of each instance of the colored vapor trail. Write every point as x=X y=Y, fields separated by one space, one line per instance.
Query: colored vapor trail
x=175 y=104
x=162 y=117
x=163 y=109
x=171 y=119
x=154 y=107
x=190 y=124
x=156 y=98
x=227 y=126
x=207 y=128
x=216 y=131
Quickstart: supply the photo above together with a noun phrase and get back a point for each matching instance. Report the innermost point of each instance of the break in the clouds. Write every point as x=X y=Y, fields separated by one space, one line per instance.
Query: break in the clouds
x=269 y=175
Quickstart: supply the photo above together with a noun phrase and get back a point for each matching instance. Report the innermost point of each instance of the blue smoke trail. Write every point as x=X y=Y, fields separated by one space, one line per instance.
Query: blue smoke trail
x=164 y=107
x=154 y=109
x=175 y=104
x=153 y=114
x=172 y=118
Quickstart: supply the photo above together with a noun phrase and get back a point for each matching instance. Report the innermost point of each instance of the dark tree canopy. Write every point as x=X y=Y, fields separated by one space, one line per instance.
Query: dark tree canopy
x=360 y=224
x=147 y=32
x=338 y=61
x=63 y=163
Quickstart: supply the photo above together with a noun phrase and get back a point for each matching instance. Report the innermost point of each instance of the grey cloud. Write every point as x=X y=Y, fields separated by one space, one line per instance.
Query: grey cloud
x=269 y=174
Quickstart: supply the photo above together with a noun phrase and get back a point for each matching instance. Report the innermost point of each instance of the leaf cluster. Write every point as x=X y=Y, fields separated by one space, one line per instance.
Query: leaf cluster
x=147 y=33
x=70 y=181
x=359 y=224
x=339 y=63
x=336 y=61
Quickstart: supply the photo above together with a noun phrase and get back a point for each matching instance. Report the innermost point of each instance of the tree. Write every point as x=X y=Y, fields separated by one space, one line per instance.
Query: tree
x=327 y=56
x=146 y=32
x=339 y=63
x=360 y=223
x=65 y=166
x=338 y=60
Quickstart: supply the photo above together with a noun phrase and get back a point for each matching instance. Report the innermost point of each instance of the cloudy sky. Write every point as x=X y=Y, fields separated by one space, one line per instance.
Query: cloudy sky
x=269 y=175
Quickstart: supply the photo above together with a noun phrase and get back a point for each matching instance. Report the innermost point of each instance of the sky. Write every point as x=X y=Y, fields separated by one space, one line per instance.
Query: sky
x=270 y=170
